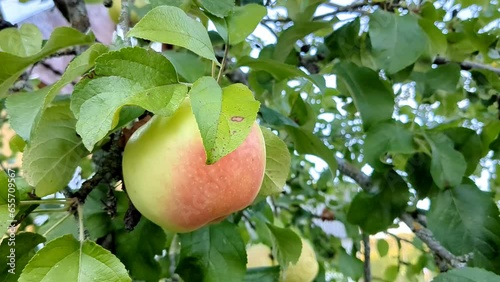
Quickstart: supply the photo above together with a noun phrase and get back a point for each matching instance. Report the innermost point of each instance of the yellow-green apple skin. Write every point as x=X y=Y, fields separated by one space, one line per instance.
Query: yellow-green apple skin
x=168 y=181
x=259 y=255
x=115 y=10
x=306 y=268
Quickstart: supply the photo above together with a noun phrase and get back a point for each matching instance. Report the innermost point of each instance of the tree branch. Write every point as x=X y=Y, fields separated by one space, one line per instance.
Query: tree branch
x=426 y=236
x=420 y=231
x=467 y=65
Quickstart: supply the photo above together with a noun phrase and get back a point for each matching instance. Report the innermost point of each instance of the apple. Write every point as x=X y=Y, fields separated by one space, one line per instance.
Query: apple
x=115 y=10
x=306 y=268
x=259 y=255
x=168 y=181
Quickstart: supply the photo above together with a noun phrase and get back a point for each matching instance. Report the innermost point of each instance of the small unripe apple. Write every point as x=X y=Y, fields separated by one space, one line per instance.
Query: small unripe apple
x=115 y=10
x=259 y=255
x=306 y=268
x=168 y=181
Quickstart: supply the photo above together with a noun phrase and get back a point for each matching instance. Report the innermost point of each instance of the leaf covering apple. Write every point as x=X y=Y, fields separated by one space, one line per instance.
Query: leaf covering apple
x=167 y=178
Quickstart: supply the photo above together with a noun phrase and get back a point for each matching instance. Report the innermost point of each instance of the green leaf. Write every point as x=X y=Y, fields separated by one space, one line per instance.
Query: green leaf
x=382 y=247
x=278 y=70
x=274 y=118
x=211 y=254
x=307 y=143
x=418 y=168
x=23 y=245
x=240 y=24
x=262 y=274
x=137 y=250
x=448 y=165
x=288 y=38
x=171 y=25
x=467 y=274
x=372 y=97
x=55 y=151
x=303 y=114
x=76 y=68
x=26 y=108
x=350 y=266
x=288 y=245
x=278 y=161
x=467 y=142
x=188 y=66
x=23 y=109
x=59 y=228
x=473 y=214
x=183 y=4
x=224 y=116
x=376 y=212
x=7 y=212
x=383 y=138
x=150 y=86
x=436 y=38
x=345 y=43
x=391 y=273
x=24 y=41
x=14 y=66
x=219 y=8
x=444 y=77
x=82 y=261
x=96 y=218
x=397 y=41
x=490 y=132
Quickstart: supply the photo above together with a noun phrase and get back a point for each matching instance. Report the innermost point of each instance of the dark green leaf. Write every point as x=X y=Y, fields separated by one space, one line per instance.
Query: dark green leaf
x=448 y=165
x=137 y=250
x=372 y=97
x=212 y=254
x=467 y=274
x=383 y=138
x=468 y=143
x=307 y=143
x=288 y=38
x=473 y=214
x=13 y=262
x=397 y=41
x=262 y=274
x=376 y=212
x=280 y=71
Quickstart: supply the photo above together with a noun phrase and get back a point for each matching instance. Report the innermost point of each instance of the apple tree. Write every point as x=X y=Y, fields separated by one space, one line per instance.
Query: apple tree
x=380 y=122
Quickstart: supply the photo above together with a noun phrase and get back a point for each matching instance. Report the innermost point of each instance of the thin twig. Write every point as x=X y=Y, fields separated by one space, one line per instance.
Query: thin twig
x=223 y=64
x=467 y=65
x=366 y=263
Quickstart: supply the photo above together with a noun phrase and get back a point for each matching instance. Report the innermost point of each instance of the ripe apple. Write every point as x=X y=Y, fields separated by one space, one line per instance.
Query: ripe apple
x=259 y=255
x=306 y=268
x=167 y=178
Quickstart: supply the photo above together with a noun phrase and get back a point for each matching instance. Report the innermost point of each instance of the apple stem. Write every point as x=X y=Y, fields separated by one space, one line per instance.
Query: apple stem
x=223 y=64
x=47 y=202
